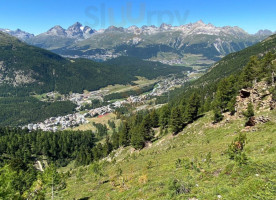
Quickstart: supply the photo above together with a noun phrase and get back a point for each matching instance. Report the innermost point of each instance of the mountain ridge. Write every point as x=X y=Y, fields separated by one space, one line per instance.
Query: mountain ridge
x=193 y=45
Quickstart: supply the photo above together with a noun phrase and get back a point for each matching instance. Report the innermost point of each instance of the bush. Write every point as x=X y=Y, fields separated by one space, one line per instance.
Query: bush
x=179 y=187
x=250 y=111
x=236 y=148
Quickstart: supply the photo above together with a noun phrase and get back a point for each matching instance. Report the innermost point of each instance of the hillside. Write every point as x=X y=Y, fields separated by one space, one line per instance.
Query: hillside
x=191 y=165
x=231 y=64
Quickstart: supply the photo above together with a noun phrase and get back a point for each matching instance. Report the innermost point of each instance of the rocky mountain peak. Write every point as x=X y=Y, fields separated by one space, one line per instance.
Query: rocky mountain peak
x=200 y=22
x=165 y=27
x=114 y=29
x=75 y=31
x=264 y=32
x=56 y=31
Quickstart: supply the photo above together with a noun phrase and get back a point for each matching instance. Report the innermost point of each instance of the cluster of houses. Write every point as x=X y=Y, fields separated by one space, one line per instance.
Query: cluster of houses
x=167 y=84
x=76 y=119
x=100 y=111
x=172 y=62
x=59 y=123
x=85 y=98
x=136 y=99
x=76 y=98
x=97 y=57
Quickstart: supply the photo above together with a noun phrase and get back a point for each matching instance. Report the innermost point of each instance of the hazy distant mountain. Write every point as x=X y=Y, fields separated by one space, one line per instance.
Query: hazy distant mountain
x=264 y=33
x=58 y=37
x=76 y=31
x=194 y=44
x=22 y=35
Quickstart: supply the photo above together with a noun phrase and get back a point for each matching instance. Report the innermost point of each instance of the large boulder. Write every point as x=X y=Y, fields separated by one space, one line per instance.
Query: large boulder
x=244 y=93
x=251 y=122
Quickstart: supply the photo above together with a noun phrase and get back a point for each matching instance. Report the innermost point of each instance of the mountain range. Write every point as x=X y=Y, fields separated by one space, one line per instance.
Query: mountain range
x=194 y=44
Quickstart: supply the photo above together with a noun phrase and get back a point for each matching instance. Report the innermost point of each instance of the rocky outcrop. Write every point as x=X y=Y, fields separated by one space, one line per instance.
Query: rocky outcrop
x=262 y=120
x=259 y=95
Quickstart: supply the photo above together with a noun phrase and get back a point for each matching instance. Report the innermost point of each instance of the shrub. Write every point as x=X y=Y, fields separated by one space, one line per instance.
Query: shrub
x=179 y=187
x=250 y=111
x=235 y=149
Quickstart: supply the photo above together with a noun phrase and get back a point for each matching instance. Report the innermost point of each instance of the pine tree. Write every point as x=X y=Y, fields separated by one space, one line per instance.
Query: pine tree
x=231 y=106
x=225 y=93
x=115 y=140
x=164 y=116
x=207 y=104
x=154 y=118
x=146 y=128
x=176 y=120
x=217 y=115
x=191 y=111
x=249 y=72
x=124 y=135
x=107 y=148
x=137 y=138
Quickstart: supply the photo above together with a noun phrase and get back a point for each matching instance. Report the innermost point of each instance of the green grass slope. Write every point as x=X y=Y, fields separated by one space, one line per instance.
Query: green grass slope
x=190 y=165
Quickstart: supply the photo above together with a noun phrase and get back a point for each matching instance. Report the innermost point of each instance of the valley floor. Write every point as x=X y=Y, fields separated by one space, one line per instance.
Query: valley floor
x=192 y=165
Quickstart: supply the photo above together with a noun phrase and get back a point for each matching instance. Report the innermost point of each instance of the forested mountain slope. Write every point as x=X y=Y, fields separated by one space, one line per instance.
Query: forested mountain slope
x=26 y=69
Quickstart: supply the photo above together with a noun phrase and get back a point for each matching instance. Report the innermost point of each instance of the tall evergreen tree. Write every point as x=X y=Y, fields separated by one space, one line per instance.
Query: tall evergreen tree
x=192 y=107
x=124 y=134
x=249 y=72
x=217 y=115
x=107 y=148
x=164 y=116
x=115 y=140
x=146 y=128
x=176 y=123
x=154 y=118
x=137 y=138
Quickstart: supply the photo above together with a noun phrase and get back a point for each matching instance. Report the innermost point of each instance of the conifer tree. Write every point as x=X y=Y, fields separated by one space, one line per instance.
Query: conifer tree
x=164 y=116
x=124 y=134
x=249 y=72
x=107 y=148
x=176 y=120
x=217 y=115
x=146 y=128
x=192 y=108
x=115 y=139
x=154 y=118
x=137 y=138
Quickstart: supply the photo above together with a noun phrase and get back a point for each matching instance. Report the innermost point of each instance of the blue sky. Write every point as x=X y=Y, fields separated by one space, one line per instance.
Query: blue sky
x=37 y=16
